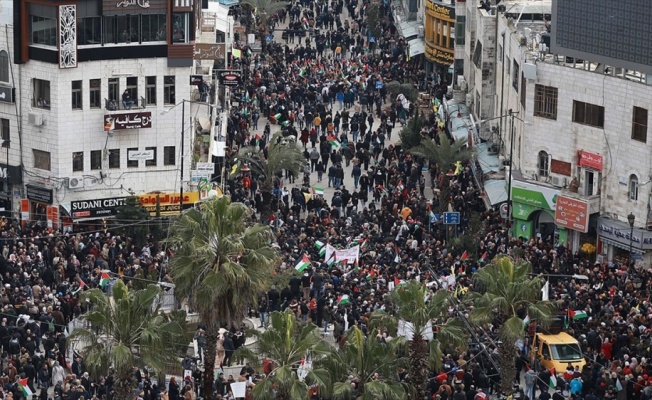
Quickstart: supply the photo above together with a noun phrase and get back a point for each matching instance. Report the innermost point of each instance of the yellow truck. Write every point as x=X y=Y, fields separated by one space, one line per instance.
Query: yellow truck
x=556 y=351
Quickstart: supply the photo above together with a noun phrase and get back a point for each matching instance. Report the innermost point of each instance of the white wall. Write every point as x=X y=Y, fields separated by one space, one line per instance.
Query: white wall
x=66 y=130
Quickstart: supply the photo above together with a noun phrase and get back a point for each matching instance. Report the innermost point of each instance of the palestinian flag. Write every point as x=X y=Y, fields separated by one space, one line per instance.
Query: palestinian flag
x=302 y=72
x=465 y=256
x=322 y=252
x=24 y=388
x=317 y=191
x=104 y=279
x=553 y=379
x=319 y=244
x=526 y=321
x=303 y=263
x=277 y=117
x=578 y=314
x=247 y=96
x=343 y=300
x=335 y=144
x=82 y=285
x=484 y=256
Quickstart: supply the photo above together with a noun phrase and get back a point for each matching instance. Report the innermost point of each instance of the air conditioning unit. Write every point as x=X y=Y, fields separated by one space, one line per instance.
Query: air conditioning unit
x=420 y=31
x=75 y=182
x=35 y=119
x=556 y=181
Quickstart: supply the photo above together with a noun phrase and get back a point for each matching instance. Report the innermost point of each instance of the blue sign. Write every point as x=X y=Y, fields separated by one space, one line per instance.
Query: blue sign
x=451 y=218
x=434 y=218
x=372 y=39
x=379 y=85
x=269 y=38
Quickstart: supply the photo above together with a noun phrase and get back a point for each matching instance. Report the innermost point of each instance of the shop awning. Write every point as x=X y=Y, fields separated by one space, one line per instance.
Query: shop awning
x=417 y=46
x=229 y=2
x=204 y=123
x=489 y=162
x=620 y=245
x=495 y=190
x=408 y=29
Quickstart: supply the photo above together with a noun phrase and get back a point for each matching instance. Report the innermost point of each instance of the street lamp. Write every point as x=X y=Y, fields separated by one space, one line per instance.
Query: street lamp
x=631 y=218
x=182 y=103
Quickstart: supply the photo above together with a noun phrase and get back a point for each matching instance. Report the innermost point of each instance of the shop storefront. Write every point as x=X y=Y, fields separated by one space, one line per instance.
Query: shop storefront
x=534 y=212
x=615 y=238
x=12 y=177
x=440 y=37
x=38 y=199
x=157 y=204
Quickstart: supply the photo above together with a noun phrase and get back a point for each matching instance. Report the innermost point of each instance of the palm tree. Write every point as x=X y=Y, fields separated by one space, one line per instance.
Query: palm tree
x=367 y=368
x=446 y=154
x=263 y=10
x=221 y=263
x=127 y=331
x=423 y=314
x=286 y=344
x=281 y=155
x=505 y=294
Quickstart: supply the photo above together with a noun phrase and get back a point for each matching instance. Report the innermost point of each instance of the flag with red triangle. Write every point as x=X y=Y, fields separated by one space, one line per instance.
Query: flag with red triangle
x=24 y=387
x=465 y=256
x=484 y=256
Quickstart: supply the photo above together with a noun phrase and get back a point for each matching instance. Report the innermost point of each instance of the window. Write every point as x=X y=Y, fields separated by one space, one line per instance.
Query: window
x=114 y=89
x=41 y=159
x=500 y=54
x=95 y=94
x=523 y=90
x=180 y=27
x=459 y=29
x=76 y=95
x=633 y=187
x=150 y=90
x=152 y=162
x=543 y=164
x=169 y=155
x=4 y=66
x=89 y=31
x=96 y=159
x=477 y=55
x=509 y=66
x=114 y=158
x=42 y=25
x=545 y=101
x=78 y=161
x=639 y=124
x=132 y=87
x=588 y=114
x=516 y=76
x=168 y=90
x=41 y=93
x=153 y=28
x=132 y=163
x=6 y=133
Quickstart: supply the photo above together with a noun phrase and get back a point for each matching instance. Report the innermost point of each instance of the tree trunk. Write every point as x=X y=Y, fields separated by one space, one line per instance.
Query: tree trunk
x=507 y=364
x=419 y=365
x=210 y=352
x=124 y=385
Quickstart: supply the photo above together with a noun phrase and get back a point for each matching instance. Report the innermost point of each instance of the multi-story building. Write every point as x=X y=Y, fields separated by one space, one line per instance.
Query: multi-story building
x=100 y=90
x=577 y=139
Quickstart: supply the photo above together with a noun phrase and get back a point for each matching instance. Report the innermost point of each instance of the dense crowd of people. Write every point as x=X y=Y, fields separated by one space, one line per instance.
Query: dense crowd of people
x=329 y=80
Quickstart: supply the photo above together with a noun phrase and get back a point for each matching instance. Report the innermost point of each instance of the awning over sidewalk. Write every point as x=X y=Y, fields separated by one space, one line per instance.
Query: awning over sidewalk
x=417 y=46
x=489 y=162
x=496 y=191
x=408 y=29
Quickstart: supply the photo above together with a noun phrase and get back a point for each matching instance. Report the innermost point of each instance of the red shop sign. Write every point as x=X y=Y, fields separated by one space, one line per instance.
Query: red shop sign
x=590 y=160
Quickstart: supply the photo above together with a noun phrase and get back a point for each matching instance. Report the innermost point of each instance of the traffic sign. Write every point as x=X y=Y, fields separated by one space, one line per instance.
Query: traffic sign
x=451 y=218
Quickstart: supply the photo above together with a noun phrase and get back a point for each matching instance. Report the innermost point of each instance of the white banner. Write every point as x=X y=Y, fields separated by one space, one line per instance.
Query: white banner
x=351 y=254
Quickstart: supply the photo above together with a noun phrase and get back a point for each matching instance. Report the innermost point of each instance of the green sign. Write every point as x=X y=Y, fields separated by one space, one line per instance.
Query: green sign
x=533 y=195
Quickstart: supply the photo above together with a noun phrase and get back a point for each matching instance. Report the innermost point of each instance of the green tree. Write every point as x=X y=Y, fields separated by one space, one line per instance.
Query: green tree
x=424 y=314
x=127 y=331
x=281 y=155
x=394 y=88
x=221 y=263
x=131 y=217
x=371 y=364
x=286 y=343
x=505 y=293
x=446 y=154
x=263 y=10
x=410 y=134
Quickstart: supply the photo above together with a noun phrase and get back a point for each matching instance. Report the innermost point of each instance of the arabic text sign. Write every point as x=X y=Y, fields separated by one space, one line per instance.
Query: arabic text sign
x=134 y=155
x=572 y=214
x=120 y=121
x=351 y=254
x=591 y=160
x=168 y=203
x=134 y=6
x=209 y=51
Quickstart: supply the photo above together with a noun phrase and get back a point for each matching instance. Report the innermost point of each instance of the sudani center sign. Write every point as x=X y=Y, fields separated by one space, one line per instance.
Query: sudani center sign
x=166 y=203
